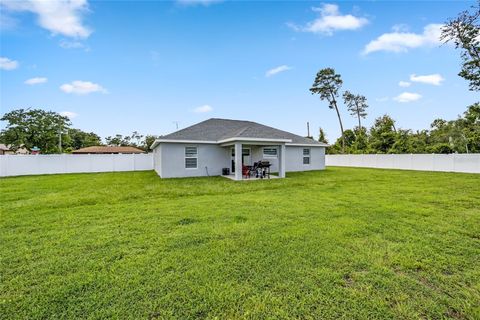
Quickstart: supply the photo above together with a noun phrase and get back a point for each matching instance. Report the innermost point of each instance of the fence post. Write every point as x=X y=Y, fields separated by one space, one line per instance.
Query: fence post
x=478 y=163
x=65 y=163
x=454 y=163
x=89 y=161
x=3 y=165
x=37 y=163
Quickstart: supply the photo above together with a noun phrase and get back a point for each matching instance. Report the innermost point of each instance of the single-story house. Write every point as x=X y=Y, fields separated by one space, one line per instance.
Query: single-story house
x=4 y=149
x=208 y=147
x=108 y=150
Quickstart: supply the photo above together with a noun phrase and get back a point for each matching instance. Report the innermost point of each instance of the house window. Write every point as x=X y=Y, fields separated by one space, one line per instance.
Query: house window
x=306 y=156
x=245 y=152
x=191 y=157
x=270 y=152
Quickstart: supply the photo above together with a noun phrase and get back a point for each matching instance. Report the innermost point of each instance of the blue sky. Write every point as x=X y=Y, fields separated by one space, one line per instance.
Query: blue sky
x=120 y=66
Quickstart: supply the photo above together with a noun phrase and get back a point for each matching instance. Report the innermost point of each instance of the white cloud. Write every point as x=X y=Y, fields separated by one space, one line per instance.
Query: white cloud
x=36 y=80
x=399 y=41
x=404 y=84
x=82 y=87
x=203 y=109
x=198 y=2
x=433 y=79
x=331 y=20
x=382 y=99
x=400 y=27
x=66 y=44
x=406 y=97
x=69 y=114
x=8 y=64
x=59 y=17
x=277 y=70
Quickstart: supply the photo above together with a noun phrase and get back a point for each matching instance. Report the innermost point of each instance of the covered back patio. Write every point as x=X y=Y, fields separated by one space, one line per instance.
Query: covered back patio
x=250 y=152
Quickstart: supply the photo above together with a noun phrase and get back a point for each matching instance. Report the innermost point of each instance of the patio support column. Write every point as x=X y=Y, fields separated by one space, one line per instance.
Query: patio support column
x=238 y=161
x=281 y=161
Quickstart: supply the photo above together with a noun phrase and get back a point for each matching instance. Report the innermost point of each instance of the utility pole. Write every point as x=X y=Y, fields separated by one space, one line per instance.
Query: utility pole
x=176 y=124
x=60 y=140
x=60 y=132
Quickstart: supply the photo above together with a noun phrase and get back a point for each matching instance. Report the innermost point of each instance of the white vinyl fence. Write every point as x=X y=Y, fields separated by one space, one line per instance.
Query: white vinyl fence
x=469 y=163
x=19 y=165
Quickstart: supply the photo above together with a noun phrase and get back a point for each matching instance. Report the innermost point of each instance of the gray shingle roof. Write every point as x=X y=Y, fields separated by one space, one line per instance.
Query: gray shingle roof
x=219 y=129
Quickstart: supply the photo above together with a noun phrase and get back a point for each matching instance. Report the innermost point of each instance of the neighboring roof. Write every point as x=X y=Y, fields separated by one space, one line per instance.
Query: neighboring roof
x=216 y=130
x=6 y=148
x=108 y=149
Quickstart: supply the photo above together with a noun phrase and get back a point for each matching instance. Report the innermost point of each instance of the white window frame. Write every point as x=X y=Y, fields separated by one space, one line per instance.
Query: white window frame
x=191 y=157
x=308 y=155
x=243 y=149
x=269 y=156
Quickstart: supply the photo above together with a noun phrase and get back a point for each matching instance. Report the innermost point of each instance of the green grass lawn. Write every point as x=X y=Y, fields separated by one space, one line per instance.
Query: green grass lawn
x=341 y=243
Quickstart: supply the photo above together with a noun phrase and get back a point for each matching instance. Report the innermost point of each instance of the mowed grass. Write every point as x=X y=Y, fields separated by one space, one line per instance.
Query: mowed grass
x=341 y=243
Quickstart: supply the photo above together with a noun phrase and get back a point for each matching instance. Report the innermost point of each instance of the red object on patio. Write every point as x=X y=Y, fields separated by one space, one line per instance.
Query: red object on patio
x=245 y=171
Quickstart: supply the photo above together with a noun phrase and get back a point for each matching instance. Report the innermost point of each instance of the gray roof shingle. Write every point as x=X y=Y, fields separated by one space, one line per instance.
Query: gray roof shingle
x=219 y=129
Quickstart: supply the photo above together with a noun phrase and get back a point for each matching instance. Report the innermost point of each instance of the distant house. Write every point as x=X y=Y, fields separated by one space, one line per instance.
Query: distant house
x=107 y=150
x=4 y=149
x=215 y=146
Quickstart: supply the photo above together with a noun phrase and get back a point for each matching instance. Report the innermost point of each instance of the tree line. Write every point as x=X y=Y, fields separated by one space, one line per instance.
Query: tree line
x=53 y=133
x=460 y=135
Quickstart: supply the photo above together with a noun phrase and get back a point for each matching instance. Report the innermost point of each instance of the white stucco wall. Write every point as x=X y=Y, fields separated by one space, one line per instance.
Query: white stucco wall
x=157 y=160
x=257 y=155
x=294 y=159
x=171 y=160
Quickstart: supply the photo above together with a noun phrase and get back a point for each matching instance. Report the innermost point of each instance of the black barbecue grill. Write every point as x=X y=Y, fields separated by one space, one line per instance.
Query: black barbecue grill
x=261 y=169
